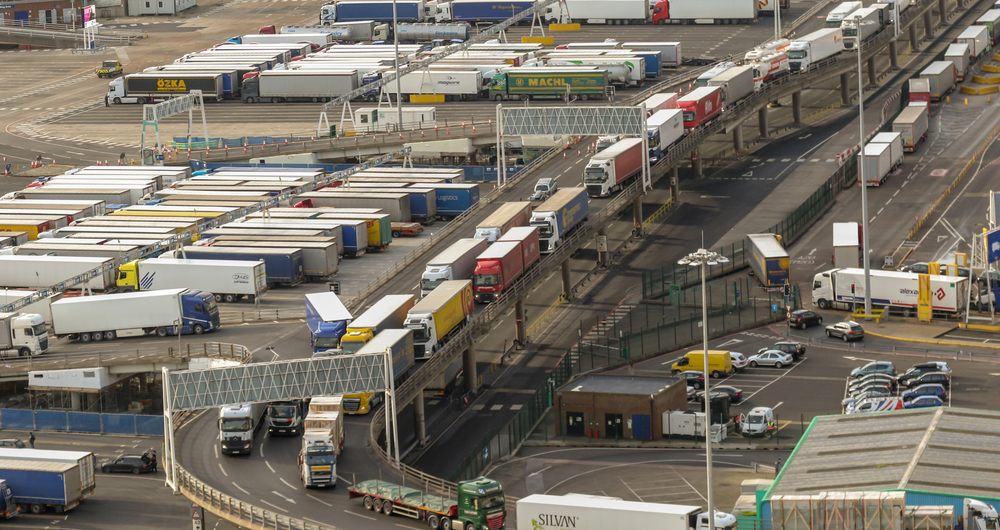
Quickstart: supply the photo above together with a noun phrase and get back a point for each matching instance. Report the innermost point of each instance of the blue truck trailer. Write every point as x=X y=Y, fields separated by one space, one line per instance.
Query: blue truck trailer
x=769 y=260
x=481 y=11
x=36 y=486
x=354 y=11
x=453 y=199
x=327 y=319
x=283 y=266
x=567 y=209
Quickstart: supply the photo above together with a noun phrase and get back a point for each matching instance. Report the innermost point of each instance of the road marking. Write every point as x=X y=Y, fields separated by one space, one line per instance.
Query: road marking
x=539 y=471
x=780 y=403
x=241 y=489
x=359 y=515
x=283 y=497
x=216 y=447
x=859 y=359
x=318 y=500
x=262 y=448
x=274 y=506
x=285 y=482
x=269 y=466
x=223 y=470
x=496 y=407
x=630 y=489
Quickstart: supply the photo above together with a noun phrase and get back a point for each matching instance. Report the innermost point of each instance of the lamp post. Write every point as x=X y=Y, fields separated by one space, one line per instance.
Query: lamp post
x=861 y=166
x=703 y=258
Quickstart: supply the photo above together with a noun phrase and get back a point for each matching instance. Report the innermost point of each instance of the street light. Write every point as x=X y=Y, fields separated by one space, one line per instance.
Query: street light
x=861 y=163
x=704 y=258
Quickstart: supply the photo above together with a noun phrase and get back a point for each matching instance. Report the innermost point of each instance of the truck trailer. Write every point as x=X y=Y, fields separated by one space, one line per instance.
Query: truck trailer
x=959 y=55
x=942 y=76
x=457 y=262
x=598 y=12
x=229 y=281
x=591 y=512
x=36 y=486
x=327 y=320
x=481 y=500
x=151 y=87
x=44 y=271
x=320 y=259
x=663 y=129
x=442 y=313
x=527 y=82
x=611 y=169
x=769 y=261
x=399 y=344
x=806 y=52
x=479 y=11
x=736 y=83
x=388 y=313
x=280 y=86
x=701 y=12
x=978 y=39
x=837 y=16
x=507 y=216
x=700 y=106
x=871 y=24
x=847 y=245
x=282 y=266
x=427 y=32
x=911 y=124
x=109 y=316
x=397 y=205
x=558 y=216
x=845 y=288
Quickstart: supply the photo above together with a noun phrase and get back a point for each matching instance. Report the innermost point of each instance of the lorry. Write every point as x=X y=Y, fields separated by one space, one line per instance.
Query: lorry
x=890 y=289
x=528 y=82
x=703 y=79
x=399 y=344
x=978 y=39
x=237 y=425
x=769 y=261
x=597 y=12
x=768 y=68
x=85 y=459
x=507 y=216
x=397 y=205
x=920 y=92
x=871 y=23
x=439 y=315
x=557 y=217
x=281 y=86
x=109 y=68
x=882 y=158
x=847 y=245
x=663 y=129
x=229 y=280
x=320 y=259
x=318 y=38
x=611 y=169
x=317 y=464
x=388 y=313
x=526 y=240
x=497 y=268
x=457 y=262
x=701 y=12
x=282 y=266
x=661 y=101
x=357 y=31
x=25 y=333
x=43 y=271
x=284 y=417
x=151 y=87
x=942 y=76
x=327 y=320
x=37 y=485
x=991 y=19
x=808 y=51
x=479 y=11
x=911 y=124
x=480 y=505
x=378 y=11
x=109 y=316
x=736 y=83
x=453 y=82
x=427 y=32
x=959 y=55
x=8 y=508
x=623 y=71
x=454 y=199
x=895 y=141
x=835 y=17
x=670 y=52
x=700 y=106
x=591 y=512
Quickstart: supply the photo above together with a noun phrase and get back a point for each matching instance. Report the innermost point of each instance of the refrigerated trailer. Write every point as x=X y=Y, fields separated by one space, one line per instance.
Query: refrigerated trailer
x=959 y=55
x=227 y=280
x=702 y=12
x=978 y=39
x=664 y=128
x=109 y=316
x=611 y=169
x=457 y=262
x=844 y=288
x=911 y=123
x=297 y=85
x=804 y=53
x=942 y=76
x=507 y=216
x=598 y=12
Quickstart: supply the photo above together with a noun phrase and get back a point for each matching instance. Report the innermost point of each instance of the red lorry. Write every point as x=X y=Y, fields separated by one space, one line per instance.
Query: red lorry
x=528 y=237
x=700 y=106
x=500 y=265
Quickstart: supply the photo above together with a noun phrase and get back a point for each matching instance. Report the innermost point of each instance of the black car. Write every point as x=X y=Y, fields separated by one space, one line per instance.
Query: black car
x=135 y=464
x=938 y=378
x=920 y=369
x=735 y=394
x=795 y=349
x=804 y=318
x=694 y=379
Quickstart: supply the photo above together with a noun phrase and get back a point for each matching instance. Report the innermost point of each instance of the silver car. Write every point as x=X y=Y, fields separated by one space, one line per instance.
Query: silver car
x=773 y=358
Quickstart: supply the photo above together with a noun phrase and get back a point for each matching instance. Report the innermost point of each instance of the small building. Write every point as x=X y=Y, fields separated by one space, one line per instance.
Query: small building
x=917 y=458
x=617 y=406
x=158 y=7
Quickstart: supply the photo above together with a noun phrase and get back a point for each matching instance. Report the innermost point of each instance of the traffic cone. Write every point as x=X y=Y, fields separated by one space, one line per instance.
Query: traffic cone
x=244 y=149
x=447 y=131
x=53 y=161
x=119 y=161
x=463 y=124
x=564 y=155
x=421 y=133
x=473 y=128
x=578 y=153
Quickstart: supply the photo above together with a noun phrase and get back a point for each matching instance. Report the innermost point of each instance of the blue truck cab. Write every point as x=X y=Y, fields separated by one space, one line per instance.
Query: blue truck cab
x=199 y=307
x=327 y=319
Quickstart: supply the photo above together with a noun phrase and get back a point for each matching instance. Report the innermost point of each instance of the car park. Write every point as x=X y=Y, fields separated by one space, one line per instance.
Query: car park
x=134 y=464
x=694 y=379
x=795 y=349
x=773 y=358
x=876 y=405
x=924 y=368
x=923 y=402
x=735 y=394
x=930 y=389
x=874 y=367
x=939 y=378
x=739 y=361
x=12 y=443
x=803 y=318
x=849 y=330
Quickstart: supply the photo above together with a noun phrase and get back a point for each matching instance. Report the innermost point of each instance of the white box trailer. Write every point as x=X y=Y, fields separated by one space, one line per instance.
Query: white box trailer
x=299 y=85
x=846 y=288
x=718 y=11
x=228 y=280
x=457 y=262
x=41 y=307
x=911 y=124
x=670 y=52
x=464 y=82
x=109 y=316
x=598 y=12
x=588 y=512
x=44 y=271
x=959 y=55
x=819 y=45
x=978 y=39
x=895 y=141
x=839 y=13
x=846 y=245
x=319 y=39
x=736 y=83
x=871 y=23
x=942 y=76
x=877 y=163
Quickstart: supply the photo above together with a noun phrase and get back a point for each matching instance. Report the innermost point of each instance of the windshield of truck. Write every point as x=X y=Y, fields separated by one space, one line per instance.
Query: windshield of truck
x=796 y=54
x=594 y=174
x=420 y=334
x=39 y=329
x=236 y=425
x=850 y=31
x=429 y=285
x=282 y=411
x=689 y=116
x=485 y=503
x=320 y=456
x=109 y=64
x=481 y=280
x=351 y=346
x=544 y=229
x=324 y=343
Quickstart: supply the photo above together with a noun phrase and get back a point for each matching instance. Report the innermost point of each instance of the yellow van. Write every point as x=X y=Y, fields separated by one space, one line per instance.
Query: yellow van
x=720 y=363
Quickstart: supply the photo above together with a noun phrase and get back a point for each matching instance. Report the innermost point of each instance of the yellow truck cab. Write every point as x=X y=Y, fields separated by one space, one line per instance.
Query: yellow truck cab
x=719 y=363
x=109 y=69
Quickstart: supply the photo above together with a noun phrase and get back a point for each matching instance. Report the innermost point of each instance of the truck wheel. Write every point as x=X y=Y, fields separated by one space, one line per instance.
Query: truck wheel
x=85 y=337
x=198 y=329
x=230 y=298
x=387 y=508
x=110 y=335
x=525 y=97
x=218 y=298
x=37 y=509
x=141 y=101
x=368 y=503
x=23 y=352
x=118 y=101
x=274 y=100
x=161 y=332
x=498 y=97
x=396 y=233
x=433 y=522
x=377 y=505
x=445 y=523
x=97 y=336
x=470 y=526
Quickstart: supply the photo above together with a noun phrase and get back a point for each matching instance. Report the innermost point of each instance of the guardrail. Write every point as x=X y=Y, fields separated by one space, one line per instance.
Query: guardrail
x=49 y=34
x=50 y=361
x=58 y=26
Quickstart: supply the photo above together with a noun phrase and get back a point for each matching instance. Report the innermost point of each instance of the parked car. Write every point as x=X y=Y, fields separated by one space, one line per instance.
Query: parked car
x=773 y=358
x=930 y=389
x=12 y=443
x=849 y=330
x=739 y=361
x=134 y=464
x=795 y=349
x=691 y=392
x=885 y=378
x=923 y=368
x=876 y=405
x=864 y=396
x=874 y=367
x=939 y=378
x=803 y=318
x=694 y=379
x=855 y=389
x=923 y=402
x=735 y=394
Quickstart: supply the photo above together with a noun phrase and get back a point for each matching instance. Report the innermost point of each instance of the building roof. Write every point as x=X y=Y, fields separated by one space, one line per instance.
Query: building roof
x=936 y=450
x=619 y=384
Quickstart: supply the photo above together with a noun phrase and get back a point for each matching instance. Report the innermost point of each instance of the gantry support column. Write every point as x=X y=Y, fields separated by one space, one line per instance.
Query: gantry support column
x=913 y=37
x=637 y=215
x=797 y=108
x=762 y=121
x=942 y=13
x=845 y=90
x=419 y=427
x=872 y=76
x=520 y=323
x=675 y=184
x=696 y=163
x=928 y=26
x=738 y=139
x=471 y=370
x=893 y=56
x=567 y=287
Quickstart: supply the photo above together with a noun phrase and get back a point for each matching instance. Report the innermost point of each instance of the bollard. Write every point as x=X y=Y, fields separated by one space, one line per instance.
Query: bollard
x=966 y=101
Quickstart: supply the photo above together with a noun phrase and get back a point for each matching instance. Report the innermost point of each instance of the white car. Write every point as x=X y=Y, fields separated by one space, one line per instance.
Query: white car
x=739 y=361
x=773 y=358
x=691 y=392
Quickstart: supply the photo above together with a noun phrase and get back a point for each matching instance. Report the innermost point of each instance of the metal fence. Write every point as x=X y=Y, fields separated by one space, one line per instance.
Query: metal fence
x=90 y=422
x=657 y=282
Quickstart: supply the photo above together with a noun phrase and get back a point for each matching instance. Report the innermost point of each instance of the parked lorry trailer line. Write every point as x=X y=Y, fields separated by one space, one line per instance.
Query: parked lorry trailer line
x=769 y=261
x=844 y=288
x=89 y=207
x=622 y=71
x=611 y=169
x=457 y=262
x=942 y=76
x=320 y=260
x=388 y=313
x=379 y=11
x=109 y=316
x=991 y=19
x=120 y=196
x=807 y=51
x=358 y=31
x=397 y=205
x=283 y=266
x=229 y=281
x=426 y=32
x=480 y=504
x=327 y=320
x=507 y=216
x=670 y=52
x=439 y=315
x=911 y=123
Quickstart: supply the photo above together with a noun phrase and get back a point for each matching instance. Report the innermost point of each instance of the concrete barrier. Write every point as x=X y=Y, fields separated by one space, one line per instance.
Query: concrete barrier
x=537 y=40
x=564 y=27
x=980 y=91
x=426 y=98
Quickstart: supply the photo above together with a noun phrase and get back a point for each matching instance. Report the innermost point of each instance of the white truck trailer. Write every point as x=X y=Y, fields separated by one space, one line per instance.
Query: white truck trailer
x=591 y=512
x=702 y=12
x=879 y=160
x=871 y=24
x=942 y=76
x=736 y=83
x=44 y=271
x=598 y=12
x=457 y=262
x=911 y=124
x=839 y=13
x=978 y=39
x=228 y=280
x=845 y=288
x=846 y=245
x=804 y=53
x=299 y=85
x=959 y=55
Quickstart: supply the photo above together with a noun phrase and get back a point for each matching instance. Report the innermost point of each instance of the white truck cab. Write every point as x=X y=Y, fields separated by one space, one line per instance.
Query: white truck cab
x=24 y=333
x=318 y=458
x=237 y=425
x=116 y=92
x=980 y=516
x=757 y=422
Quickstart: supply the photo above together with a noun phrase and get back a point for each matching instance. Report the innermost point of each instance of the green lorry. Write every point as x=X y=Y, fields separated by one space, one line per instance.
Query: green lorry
x=526 y=83
x=481 y=504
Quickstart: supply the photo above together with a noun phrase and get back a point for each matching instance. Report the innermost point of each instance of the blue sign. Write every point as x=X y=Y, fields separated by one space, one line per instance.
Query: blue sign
x=159 y=157
x=774 y=307
x=6 y=6
x=993 y=246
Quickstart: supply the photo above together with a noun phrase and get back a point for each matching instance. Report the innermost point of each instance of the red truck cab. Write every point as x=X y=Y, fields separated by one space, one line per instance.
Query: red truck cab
x=496 y=269
x=700 y=106
x=661 y=12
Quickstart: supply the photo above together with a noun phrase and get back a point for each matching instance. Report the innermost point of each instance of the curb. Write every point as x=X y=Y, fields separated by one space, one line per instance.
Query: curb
x=659 y=445
x=938 y=342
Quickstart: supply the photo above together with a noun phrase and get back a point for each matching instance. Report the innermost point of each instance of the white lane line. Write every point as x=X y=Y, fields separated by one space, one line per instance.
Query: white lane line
x=216 y=447
x=539 y=471
x=318 y=500
x=359 y=515
x=285 y=482
x=262 y=448
x=796 y=365
x=283 y=497
x=269 y=466
x=275 y=506
x=348 y=482
x=241 y=489
x=630 y=489
x=780 y=403
x=222 y=469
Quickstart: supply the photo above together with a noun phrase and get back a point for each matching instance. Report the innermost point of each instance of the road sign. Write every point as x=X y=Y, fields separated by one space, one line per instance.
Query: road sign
x=602 y=243
x=774 y=307
x=197 y=516
x=993 y=245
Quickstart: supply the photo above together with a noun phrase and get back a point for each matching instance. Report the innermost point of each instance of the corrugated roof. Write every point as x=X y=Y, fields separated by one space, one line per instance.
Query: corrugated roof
x=937 y=450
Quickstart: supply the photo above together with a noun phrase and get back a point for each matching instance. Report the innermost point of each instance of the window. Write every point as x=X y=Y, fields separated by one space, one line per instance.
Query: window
x=147 y=4
x=160 y=3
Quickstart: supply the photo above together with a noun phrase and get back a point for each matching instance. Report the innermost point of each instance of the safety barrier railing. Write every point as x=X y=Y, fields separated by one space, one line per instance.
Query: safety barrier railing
x=52 y=361
x=58 y=26
x=33 y=32
x=261 y=314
